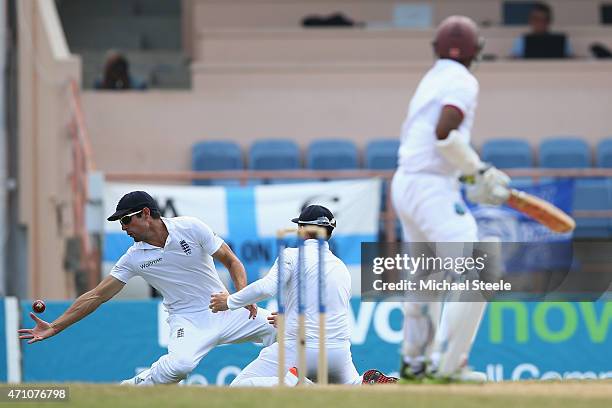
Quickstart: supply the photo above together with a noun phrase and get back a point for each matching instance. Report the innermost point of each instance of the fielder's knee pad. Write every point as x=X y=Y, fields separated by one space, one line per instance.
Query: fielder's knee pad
x=270 y=337
x=180 y=367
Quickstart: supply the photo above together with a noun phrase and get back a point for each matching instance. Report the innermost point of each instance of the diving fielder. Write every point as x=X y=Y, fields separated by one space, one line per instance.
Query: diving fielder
x=435 y=149
x=175 y=256
x=263 y=370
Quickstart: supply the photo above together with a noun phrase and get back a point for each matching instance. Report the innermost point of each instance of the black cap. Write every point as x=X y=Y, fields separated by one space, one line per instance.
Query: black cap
x=134 y=201
x=316 y=215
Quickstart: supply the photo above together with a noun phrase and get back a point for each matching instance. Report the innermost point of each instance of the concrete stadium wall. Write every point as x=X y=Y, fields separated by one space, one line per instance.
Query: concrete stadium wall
x=155 y=130
x=45 y=68
x=337 y=45
x=202 y=15
x=288 y=13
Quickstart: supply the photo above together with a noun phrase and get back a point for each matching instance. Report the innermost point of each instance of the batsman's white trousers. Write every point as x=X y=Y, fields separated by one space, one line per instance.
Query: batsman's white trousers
x=431 y=209
x=264 y=369
x=194 y=335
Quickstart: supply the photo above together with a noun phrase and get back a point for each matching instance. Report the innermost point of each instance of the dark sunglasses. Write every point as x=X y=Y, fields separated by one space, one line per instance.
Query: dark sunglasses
x=126 y=219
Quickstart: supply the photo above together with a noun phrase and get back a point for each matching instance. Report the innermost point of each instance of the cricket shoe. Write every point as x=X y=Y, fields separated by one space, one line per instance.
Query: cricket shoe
x=409 y=376
x=292 y=378
x=465 y=375
x=376 y=377
x=143 y=378
x=133 y=381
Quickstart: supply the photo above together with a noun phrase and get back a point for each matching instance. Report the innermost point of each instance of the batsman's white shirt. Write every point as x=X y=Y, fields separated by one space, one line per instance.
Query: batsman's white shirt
x=446 y=83
x=425 y=190
x=183 y=271
x=337 y=294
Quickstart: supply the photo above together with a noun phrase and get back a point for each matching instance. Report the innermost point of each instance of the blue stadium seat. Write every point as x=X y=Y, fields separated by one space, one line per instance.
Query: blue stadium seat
x=381 y=154
x=604 y=153
x=332 y=154
x=507 y=153
x=275 y=155
x=216 y=155
x=560 y=153
x=594 y=194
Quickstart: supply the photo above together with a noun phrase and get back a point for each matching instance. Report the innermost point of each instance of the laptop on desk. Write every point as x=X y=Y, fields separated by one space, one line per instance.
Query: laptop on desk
x=545 y=46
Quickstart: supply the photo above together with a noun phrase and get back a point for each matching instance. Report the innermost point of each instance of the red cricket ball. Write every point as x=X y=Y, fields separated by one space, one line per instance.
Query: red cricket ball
x=39 y=306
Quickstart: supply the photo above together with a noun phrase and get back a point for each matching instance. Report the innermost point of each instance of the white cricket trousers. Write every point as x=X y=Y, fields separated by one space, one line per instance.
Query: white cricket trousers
x=263 y=370
x=194 y=335
x=431 y=209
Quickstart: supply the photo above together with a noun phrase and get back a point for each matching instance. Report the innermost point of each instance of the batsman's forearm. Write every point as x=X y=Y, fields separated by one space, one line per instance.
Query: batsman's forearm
x=84 y=305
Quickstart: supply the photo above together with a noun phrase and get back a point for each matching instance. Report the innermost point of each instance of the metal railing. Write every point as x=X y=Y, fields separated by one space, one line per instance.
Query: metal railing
x=82 y=165
x=388 y=215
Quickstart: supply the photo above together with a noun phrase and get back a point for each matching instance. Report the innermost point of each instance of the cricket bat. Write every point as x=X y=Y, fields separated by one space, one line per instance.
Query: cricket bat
x=542 y=211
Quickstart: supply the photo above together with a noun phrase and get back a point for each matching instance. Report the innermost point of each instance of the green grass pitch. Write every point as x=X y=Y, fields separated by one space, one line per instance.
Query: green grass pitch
x=591 y=394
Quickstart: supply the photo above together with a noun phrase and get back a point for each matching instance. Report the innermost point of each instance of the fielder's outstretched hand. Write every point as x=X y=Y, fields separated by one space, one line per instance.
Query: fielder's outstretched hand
x=41 y=331
x=252 y=311
x=272 y=319
x=218 y=302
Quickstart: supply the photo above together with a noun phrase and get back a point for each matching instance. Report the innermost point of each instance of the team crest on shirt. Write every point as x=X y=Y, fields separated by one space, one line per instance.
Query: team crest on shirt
x=459 y=209
x=185 y=246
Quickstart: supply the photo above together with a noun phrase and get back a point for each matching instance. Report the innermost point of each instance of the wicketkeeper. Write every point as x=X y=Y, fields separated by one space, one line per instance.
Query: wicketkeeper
x=263 y=370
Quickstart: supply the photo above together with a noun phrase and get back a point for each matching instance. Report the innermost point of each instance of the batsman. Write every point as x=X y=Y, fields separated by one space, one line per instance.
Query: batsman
x=434 y=151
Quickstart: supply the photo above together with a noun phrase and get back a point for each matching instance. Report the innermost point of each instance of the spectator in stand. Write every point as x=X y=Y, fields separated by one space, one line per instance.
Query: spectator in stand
x=117 y=74
x=540 y=20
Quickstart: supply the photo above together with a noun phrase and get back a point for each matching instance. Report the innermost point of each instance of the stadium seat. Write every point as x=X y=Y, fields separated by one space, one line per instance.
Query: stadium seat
x=275 y=155
x=216 y=155
x=381 y=154
x=560 y=153
x=604 y=153
x=508 y=153
x=593 y=194
x=332 y=154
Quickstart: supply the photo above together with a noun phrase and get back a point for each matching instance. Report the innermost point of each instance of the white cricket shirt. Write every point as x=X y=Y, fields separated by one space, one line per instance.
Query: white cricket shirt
x=446 y=83
x=337 y=294
x=183 y=271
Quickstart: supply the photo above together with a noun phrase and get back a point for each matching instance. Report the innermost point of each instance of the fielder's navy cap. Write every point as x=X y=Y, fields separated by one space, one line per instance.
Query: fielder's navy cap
x=134 y=201
x=316 y=215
